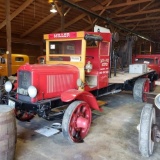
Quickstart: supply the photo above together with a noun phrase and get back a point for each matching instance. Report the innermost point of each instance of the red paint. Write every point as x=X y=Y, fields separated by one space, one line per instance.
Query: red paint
x=73 y=94
x=52 y=80
x=154 y=60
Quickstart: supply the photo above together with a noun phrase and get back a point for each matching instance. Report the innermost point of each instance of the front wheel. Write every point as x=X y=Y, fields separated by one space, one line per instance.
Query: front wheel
x=23 y=115
x=147 y=121
x=76 y=121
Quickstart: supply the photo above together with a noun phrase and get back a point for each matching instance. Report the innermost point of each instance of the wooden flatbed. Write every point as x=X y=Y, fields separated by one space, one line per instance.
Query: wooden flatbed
x=122 y=77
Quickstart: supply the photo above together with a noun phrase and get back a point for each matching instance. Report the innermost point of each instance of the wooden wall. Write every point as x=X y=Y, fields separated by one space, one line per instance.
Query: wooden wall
x=33 y=51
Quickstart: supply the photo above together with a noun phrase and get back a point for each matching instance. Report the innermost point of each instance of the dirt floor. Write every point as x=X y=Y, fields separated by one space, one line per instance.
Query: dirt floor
x=113 y=135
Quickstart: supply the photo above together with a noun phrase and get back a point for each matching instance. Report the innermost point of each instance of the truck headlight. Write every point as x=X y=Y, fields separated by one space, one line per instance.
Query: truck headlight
x=8 y=86
x=32 y=91
x=88 y=66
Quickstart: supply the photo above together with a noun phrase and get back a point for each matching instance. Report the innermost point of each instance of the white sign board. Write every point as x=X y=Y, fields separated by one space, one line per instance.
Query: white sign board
x=101 y=29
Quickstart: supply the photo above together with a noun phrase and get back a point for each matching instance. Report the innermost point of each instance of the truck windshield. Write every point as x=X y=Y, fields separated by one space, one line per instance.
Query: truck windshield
x=65 y=47
x=65 y=50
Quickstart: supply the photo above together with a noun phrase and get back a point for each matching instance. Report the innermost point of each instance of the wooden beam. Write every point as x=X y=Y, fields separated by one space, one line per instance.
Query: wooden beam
x=138 y=13
x=67 y=11
x=39 y=24
x=16 y=12
x=139 y=19
x=146 y=29
x=144 y=7
x=100 y=7
x=8 y=36
x=123 y=9
x=87 y=20
x=103 y=10
x=72 y=22
x=62 y=18
x=78 y=18
x=143 y=24
x=58 y=8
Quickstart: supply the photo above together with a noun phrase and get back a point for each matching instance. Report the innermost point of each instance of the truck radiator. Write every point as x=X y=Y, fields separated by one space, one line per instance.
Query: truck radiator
x=58 y=83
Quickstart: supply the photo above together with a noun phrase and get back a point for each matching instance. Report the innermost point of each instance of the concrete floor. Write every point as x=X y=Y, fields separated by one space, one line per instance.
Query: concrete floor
x=113 y=136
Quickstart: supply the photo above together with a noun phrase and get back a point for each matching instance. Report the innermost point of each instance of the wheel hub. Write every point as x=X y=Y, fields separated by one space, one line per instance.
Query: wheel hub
x=82 y=122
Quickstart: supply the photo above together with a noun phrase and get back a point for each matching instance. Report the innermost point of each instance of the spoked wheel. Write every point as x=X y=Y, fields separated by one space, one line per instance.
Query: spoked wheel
x=76 y=121
x=147 y=121
x=23 y=115
x=141 y=85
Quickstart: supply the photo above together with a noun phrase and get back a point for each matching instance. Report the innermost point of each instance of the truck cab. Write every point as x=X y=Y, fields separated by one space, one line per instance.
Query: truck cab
x=16 y=61
x=88 y=51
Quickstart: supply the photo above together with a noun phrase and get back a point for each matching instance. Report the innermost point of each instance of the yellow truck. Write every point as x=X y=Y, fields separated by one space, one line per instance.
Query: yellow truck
x=16 y=61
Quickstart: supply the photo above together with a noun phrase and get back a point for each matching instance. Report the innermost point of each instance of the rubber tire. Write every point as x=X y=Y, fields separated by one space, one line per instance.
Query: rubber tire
x=22 y=118
x=66 y=120
x=138 y=89
x=148 y=118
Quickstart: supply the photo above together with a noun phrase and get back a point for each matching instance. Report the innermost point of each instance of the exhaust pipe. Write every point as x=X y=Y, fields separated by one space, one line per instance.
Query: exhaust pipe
x=157 y=101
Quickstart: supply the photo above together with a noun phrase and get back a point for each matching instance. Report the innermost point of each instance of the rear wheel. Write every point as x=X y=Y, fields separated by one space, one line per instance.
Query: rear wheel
x=76 y=121
x=141 y=85
x=147 y=121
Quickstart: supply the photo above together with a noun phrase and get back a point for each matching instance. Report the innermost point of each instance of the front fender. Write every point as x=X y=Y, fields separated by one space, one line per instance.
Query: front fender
x=73 y=94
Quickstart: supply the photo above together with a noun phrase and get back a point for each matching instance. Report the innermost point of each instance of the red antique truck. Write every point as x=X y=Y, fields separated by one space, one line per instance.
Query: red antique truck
x=77 y=71
x=152 y=60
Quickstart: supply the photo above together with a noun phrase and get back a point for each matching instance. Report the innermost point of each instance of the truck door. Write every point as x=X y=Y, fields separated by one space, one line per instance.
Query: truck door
x=104 y=49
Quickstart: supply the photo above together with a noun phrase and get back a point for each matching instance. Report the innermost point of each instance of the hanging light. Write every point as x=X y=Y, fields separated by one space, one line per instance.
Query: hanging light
x=53 y=9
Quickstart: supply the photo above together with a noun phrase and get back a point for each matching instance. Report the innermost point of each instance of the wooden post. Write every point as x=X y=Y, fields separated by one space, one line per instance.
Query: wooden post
x=8 y=35
x=62 y=18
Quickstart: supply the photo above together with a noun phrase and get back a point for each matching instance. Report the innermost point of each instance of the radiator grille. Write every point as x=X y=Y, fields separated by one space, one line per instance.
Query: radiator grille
x=24 y=79
x=59 y=83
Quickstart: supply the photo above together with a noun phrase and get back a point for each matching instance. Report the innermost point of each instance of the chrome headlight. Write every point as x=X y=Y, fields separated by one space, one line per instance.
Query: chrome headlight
x=32 y=91
x=8 y=86
x=88 y=66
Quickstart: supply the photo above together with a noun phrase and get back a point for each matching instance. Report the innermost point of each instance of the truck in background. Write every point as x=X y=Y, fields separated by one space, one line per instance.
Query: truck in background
x=16 y=61
x=152 y=61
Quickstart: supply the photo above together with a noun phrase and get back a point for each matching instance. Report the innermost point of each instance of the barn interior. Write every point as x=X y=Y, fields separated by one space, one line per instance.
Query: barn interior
x=135 y=29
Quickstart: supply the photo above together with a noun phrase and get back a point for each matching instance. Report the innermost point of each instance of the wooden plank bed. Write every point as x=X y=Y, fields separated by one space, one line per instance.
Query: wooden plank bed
x=122 y=77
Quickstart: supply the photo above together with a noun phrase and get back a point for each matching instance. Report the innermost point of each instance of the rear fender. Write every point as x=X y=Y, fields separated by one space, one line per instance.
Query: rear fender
x=73 y=94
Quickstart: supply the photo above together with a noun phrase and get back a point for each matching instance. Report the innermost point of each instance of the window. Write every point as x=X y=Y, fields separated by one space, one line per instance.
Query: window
x=3 y=60
x=65 y=47
x=144 y=60
x=104 y=48
x=19 y=59
x=92 y=43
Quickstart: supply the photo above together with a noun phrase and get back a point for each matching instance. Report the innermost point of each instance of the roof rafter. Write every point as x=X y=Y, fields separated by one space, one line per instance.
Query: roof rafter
x=120 y=5
x=16 y=12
